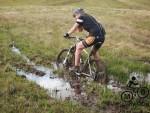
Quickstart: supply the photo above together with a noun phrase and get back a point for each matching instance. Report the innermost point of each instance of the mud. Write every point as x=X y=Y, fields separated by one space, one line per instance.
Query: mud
x=62 y=88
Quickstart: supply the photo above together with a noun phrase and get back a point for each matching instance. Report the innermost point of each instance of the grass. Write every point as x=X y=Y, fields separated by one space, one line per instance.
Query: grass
x=20 y=96
x=37 y=28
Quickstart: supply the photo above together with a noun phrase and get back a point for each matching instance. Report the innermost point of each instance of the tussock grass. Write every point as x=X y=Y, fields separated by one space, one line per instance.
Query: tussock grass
x=38 y=31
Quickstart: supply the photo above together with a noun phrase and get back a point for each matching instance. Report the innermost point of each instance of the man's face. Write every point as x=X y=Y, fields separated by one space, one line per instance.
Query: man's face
x=76 y=16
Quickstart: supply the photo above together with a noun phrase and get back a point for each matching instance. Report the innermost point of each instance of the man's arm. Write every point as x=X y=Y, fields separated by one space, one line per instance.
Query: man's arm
x=73 y=29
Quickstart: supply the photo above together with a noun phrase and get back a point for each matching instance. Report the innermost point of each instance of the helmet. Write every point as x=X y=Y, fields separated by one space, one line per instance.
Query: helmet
x=78 y=11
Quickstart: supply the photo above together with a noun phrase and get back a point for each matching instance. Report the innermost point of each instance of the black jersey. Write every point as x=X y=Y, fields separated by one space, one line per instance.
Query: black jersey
x=90 y=24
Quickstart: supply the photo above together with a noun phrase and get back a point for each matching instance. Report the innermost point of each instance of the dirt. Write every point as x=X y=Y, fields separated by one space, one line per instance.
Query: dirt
x=64 y=88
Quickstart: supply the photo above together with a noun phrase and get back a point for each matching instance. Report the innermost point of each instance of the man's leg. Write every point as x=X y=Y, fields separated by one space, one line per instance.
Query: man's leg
x=95 y=54
x=100 y=66
x=101 y=69
x=79 y=48
x=97 y=58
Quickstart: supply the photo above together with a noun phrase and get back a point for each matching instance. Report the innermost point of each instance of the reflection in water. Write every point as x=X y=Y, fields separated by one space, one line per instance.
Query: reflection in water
x=57 y=88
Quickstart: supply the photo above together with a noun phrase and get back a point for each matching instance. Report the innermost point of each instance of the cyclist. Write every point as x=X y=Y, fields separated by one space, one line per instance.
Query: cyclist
x=95 y=38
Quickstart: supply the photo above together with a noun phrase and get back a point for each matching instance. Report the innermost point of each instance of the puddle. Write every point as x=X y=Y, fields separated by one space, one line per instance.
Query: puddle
x=114 y=85
x=56 y=87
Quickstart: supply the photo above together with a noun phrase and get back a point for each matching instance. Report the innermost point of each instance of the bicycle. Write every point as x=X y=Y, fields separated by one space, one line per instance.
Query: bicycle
x=88 y=67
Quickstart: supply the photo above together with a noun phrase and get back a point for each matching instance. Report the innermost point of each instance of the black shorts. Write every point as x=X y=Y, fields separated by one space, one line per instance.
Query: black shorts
x=96 y=42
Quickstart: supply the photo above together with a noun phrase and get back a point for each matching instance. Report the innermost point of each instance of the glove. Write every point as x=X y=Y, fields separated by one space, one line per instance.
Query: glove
x=66 y=35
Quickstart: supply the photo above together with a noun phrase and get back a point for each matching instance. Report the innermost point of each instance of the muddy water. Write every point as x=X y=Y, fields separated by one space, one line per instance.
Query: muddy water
x=56 y=87
x=114 y=86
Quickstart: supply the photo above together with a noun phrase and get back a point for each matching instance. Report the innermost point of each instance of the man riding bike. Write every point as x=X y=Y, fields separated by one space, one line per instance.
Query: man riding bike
x=95 y=38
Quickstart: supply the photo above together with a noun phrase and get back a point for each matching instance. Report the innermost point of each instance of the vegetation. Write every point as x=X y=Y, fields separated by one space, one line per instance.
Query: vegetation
x=37 y=28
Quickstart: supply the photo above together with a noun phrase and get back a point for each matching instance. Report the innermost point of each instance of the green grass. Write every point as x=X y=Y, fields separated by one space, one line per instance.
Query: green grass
x=37 y=27
x=20 y=96
x=135 y=4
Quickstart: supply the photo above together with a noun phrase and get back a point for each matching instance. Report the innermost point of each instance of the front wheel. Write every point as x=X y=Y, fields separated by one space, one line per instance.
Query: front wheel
x=65 y=59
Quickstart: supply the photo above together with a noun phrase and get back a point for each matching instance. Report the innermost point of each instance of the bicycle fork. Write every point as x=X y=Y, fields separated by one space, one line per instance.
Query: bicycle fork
x=65 y=60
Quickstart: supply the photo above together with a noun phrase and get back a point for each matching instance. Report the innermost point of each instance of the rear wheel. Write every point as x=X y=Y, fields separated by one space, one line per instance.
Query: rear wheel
x=99 y=71
x=93 y=69
x=90 y=70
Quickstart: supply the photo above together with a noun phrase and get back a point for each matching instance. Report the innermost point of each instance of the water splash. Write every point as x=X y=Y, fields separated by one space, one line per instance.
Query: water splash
x=18 y=52
x=15 y=50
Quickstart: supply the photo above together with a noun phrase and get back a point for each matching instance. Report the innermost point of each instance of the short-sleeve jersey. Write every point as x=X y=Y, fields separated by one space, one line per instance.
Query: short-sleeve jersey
x=91 y=25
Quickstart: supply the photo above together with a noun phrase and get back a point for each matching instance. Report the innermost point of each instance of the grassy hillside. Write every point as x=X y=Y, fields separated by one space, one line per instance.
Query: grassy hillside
x=134 y=4
x=37 y=28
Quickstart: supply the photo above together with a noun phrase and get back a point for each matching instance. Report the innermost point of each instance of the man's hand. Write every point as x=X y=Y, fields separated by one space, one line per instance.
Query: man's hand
x=66 y=35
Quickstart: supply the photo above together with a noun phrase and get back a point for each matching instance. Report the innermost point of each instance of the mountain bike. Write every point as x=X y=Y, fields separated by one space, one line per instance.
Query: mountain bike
x=88 y=66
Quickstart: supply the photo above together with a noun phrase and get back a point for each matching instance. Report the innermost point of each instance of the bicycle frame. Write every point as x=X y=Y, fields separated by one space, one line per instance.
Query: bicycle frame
x=87 y=61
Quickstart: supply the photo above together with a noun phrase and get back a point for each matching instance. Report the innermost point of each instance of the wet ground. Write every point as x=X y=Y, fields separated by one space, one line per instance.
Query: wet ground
x=61 y=88
x=56 y=87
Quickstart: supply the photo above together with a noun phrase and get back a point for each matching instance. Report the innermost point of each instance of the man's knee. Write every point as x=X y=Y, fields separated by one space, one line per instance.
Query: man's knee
x=79 y=46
